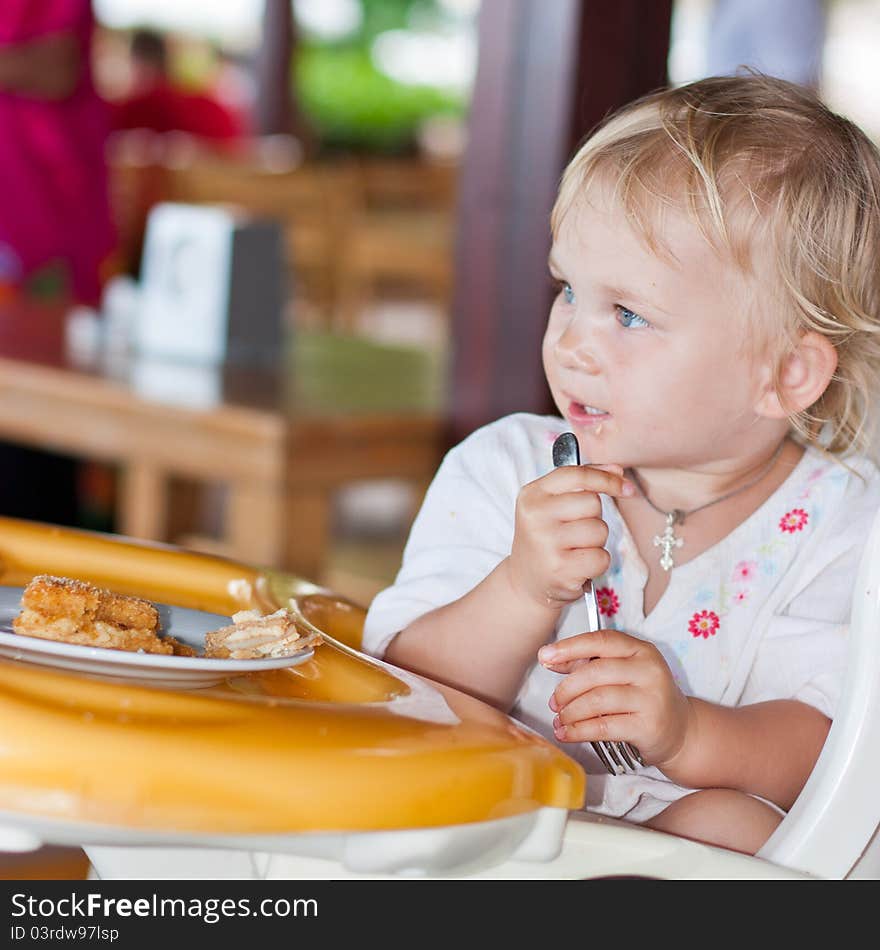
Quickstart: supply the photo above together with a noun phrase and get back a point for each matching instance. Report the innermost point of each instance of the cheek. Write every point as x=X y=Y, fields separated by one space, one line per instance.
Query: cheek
x=653 y=374
x=555 y=323
x=709 y=380
x=548 y=348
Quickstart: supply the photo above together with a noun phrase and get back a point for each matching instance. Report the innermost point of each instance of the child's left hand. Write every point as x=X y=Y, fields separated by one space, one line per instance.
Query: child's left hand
x=617 y=688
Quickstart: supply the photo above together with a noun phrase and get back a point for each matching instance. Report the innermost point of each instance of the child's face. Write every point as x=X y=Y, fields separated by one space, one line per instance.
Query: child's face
x=655 y=343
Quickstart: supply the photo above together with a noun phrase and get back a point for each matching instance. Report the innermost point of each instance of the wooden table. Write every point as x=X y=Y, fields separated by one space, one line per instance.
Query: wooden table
x=280 y=461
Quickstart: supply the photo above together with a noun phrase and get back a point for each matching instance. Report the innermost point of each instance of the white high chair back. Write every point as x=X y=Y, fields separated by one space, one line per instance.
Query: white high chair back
x=832 y=829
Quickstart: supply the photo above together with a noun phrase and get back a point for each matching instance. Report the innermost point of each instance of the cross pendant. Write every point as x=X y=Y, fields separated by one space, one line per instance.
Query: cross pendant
x=667 y=541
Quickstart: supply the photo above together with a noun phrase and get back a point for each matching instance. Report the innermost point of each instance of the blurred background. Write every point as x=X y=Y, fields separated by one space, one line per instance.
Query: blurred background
x=262 y=262
x=405 y=153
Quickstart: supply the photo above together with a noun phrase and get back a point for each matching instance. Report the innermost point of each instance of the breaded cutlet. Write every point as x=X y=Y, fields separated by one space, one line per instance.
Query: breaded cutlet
x=73 y=611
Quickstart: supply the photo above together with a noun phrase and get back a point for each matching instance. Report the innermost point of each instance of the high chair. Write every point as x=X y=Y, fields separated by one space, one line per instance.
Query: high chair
x=832 y=829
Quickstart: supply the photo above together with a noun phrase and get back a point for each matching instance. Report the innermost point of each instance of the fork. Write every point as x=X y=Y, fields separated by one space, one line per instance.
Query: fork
x=617 y=757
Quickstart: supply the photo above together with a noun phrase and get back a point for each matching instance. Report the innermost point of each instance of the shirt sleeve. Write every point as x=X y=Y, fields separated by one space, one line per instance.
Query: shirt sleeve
x=804 y=652
x=463 y=530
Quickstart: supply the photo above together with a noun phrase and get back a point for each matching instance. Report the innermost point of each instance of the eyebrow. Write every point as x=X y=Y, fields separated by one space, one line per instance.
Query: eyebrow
x=637 y=298
x=616 y=291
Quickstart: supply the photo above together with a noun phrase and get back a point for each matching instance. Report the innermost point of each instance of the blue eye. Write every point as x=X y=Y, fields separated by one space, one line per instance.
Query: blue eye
x=567 y=293
x=628 y=318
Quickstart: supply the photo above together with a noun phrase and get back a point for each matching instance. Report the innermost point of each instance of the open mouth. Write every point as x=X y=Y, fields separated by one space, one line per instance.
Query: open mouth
x=583 y=414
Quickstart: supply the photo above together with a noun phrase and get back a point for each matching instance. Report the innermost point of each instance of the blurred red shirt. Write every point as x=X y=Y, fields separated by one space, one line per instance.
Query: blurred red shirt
x=165 y=108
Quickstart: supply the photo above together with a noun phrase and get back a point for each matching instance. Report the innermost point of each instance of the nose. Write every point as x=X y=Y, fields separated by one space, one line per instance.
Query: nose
x=574 y=350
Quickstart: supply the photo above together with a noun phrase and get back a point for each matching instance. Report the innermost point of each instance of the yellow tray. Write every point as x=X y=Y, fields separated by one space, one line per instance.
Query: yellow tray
x=339 y=743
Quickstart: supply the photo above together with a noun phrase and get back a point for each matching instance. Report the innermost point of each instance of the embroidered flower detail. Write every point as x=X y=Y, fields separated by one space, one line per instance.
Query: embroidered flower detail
x=608 y=601
x=741 y=596
x=704 y=624
x=745 y=570
x=793 y=520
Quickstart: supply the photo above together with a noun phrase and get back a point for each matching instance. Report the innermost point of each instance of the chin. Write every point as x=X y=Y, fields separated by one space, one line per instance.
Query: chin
x=594 y=451
x=599 y=450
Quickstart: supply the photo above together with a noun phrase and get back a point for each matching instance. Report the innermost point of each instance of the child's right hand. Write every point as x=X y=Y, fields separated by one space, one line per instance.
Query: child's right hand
x=559 y=533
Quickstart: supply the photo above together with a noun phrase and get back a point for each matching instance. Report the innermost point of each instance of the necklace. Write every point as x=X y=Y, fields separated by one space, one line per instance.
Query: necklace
x=669 y=540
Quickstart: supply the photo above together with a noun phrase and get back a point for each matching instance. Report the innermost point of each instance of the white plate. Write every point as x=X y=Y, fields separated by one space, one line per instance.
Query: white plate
x=171 y=672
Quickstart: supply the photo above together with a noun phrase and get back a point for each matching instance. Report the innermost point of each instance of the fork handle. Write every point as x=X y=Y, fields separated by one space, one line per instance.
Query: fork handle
x=617 y=757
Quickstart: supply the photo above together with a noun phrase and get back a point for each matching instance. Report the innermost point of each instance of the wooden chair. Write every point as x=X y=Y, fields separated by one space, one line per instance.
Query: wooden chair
x=311 y=201
x=400 y=238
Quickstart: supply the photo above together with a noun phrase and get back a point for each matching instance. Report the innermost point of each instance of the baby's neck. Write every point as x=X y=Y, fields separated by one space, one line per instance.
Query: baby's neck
x=687 y=489
x=701 y=530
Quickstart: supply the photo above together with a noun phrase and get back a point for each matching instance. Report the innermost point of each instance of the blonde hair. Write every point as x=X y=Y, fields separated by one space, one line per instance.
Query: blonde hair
x=754 y=160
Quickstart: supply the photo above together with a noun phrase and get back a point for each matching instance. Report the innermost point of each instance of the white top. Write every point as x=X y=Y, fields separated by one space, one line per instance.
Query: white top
x=761 y=615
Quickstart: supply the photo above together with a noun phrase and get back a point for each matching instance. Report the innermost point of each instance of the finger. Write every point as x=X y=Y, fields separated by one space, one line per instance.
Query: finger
x=571 y=506
x=620 y=727
x=605 y=642
x=601 y=701
x=569 y=570
x=586 y=478
x=578 y=565
x=568 y=667
x=587 y=533
x=585 y=675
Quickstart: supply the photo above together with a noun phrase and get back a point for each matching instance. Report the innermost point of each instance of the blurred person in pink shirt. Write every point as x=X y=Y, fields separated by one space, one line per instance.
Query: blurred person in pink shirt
x=55 y=210
x=56 y=236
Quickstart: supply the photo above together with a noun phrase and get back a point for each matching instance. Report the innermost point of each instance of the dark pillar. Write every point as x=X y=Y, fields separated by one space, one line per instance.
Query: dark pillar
x=548 y=71
x=623 y=50
x=274 y=113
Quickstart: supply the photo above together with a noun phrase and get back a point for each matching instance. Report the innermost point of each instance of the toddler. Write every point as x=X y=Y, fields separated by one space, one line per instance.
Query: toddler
x=714 y=345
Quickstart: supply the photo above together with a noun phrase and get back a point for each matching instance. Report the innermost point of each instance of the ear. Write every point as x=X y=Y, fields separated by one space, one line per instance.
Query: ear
x=805 y=374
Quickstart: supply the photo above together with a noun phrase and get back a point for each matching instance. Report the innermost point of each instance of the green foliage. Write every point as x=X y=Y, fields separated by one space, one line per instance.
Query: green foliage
x=382 y=15
x=353 y=105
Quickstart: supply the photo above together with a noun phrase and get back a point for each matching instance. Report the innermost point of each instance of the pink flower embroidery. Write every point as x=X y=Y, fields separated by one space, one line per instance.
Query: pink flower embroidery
x=608 y=601
x=704 y=623
x=745 y=570
x=793 y=520
x=740 y=596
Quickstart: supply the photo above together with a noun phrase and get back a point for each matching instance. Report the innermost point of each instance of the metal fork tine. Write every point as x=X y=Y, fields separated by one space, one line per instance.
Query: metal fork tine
x=624 y=749
x=599 y=749
x=634 y=752
x=612 y=748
